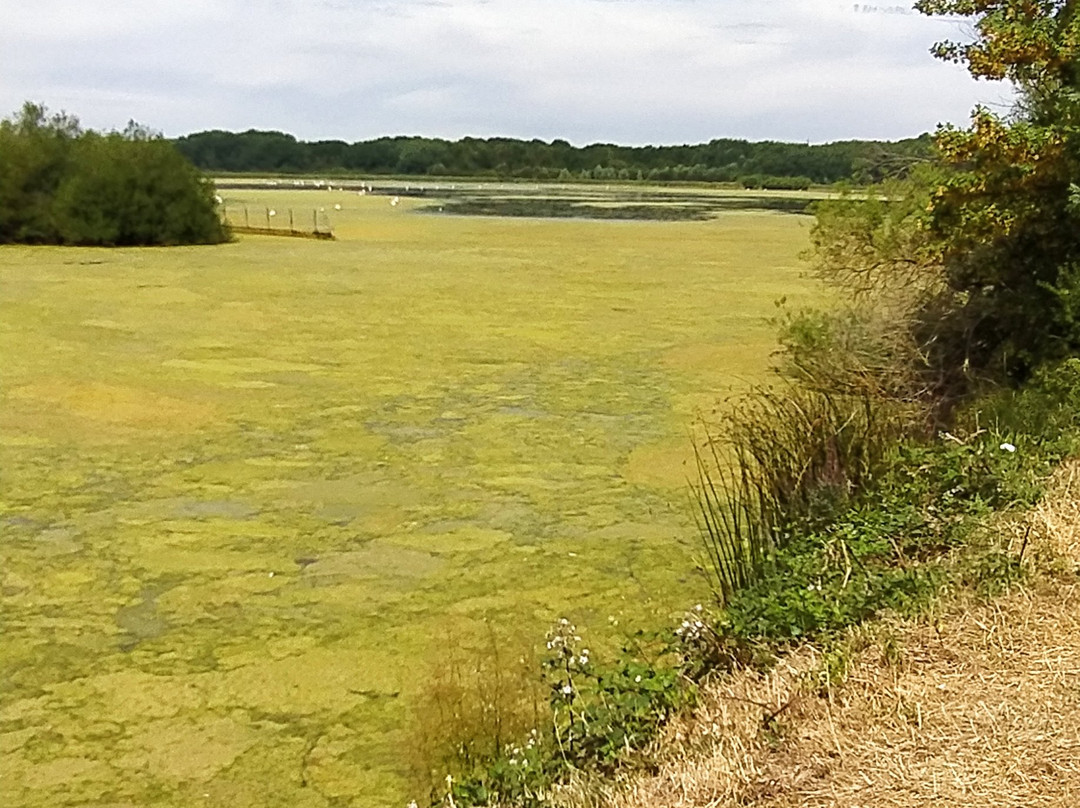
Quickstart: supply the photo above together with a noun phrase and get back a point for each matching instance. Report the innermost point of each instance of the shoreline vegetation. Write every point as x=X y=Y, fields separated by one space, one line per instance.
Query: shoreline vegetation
x=61 y=184
x=890 y=474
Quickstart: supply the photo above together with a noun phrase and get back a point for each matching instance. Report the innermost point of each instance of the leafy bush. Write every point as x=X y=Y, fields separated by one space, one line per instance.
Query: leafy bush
x=60 y=185
x=598 y=717
x=35 y=155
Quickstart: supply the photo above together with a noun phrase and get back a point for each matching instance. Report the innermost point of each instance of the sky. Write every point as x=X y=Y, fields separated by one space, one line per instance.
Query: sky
x=632 y=72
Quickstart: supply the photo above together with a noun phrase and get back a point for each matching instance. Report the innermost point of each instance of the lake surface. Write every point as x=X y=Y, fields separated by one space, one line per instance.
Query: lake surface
x=249 y=493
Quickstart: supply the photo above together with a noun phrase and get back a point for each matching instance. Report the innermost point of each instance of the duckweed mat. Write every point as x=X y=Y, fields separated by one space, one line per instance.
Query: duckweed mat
x=249 y=492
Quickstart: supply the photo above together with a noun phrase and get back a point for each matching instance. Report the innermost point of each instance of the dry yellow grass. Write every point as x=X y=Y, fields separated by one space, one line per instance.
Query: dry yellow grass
x=978 y=706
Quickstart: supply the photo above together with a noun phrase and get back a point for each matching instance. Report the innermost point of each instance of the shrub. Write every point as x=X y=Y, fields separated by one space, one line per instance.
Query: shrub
x=60 y=185
x=125 y=190
x=35 y=155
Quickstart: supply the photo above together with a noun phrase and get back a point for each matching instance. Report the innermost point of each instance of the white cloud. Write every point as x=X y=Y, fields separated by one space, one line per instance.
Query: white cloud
x=630 y=71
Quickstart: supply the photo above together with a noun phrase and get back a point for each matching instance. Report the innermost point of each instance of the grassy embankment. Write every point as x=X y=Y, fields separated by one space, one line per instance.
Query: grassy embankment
x=972 y=702
x=249 y=490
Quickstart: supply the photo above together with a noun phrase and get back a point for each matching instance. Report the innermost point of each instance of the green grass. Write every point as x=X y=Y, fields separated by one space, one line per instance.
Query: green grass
x=247 y=491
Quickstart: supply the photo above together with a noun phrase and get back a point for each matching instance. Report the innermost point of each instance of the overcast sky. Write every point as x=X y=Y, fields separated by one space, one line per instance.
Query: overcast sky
x=622 y=71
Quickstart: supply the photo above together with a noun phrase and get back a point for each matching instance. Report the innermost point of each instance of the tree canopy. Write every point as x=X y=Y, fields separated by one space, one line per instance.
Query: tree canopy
x=971 y=274
x=60 y=184
x=720 y=160
x=1005 y=213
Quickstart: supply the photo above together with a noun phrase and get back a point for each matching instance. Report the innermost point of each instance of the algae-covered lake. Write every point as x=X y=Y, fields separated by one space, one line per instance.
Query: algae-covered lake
x=248 y=492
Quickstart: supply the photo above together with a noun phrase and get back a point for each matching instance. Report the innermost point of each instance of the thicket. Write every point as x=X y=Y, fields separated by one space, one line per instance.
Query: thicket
x=60 y=184
x=875 y=473
x=720 y=160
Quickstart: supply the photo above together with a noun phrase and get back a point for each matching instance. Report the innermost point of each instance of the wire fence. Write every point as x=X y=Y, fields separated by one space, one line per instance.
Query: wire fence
x=264 y=221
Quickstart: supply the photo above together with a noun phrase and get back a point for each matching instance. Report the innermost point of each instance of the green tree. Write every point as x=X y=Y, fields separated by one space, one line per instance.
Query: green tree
x=61 y=185
x=35 y=154
x=1004 y=214
x=970 y=275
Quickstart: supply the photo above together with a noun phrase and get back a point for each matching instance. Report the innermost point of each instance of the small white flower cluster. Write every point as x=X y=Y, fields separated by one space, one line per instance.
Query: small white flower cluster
x=563 y=640
x=519 y=756
x=692 y=627
x=567 y=659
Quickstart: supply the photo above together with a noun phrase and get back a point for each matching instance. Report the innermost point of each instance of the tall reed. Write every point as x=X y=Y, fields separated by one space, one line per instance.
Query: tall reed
x=788 y=455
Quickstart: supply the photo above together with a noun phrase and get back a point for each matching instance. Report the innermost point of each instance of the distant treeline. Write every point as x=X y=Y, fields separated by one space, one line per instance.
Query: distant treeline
x=761 y=164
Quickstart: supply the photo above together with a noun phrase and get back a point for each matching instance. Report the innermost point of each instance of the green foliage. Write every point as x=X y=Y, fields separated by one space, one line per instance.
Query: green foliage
x=1002 y=213
x=35 y=155
x=1046 y=411
x=599 y=716
x=828 y=580
x=60 y=185
x=918 y=525
x=601 y=713
x=892 y=552
x=769 y=183
x=774 y=165
x=791 y=454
